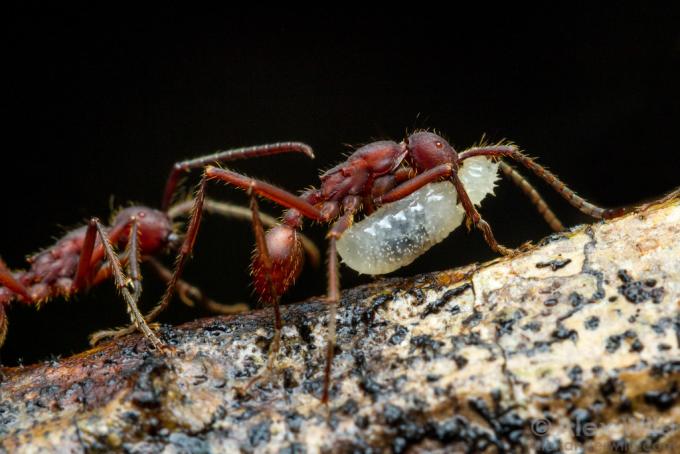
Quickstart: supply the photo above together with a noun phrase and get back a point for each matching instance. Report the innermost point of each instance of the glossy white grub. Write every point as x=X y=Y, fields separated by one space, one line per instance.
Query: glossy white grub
x=399 y=232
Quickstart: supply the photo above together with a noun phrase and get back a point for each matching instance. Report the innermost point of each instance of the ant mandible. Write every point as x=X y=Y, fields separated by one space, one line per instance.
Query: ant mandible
x=375 y=174
x=85 y=256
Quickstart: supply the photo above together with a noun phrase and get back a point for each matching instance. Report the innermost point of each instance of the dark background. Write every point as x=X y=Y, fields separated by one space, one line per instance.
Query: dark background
x=97 y=106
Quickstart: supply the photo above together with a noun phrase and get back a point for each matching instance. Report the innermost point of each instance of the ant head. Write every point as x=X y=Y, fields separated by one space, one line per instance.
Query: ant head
x=155 y=228
x=427 y=150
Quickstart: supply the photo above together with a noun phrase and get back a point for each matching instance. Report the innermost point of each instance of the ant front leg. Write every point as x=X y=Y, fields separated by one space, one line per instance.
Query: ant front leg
x=512 y=152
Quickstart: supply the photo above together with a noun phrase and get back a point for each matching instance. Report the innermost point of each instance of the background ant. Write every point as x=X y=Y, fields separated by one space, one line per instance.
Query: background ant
x=375 y=174
x=85 y=257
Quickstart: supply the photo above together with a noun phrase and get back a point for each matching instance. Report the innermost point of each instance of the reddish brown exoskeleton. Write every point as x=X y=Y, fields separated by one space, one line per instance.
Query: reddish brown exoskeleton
x=375 y=174
x=86 y=256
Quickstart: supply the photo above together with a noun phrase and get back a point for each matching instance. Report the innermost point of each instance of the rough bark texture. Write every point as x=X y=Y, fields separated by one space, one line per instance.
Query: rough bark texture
x=571 y=345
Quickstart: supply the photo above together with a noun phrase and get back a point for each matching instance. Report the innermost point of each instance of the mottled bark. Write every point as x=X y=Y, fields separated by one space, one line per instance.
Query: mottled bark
x=573 y=344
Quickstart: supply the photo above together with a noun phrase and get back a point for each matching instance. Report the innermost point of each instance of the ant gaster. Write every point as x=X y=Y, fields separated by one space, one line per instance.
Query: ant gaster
x=375 y=174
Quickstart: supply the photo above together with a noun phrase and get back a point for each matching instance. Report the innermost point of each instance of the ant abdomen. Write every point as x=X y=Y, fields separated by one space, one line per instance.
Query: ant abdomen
x=287 y=257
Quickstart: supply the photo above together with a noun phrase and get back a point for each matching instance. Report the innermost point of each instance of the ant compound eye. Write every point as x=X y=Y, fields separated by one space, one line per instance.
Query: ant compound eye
x=438 y=144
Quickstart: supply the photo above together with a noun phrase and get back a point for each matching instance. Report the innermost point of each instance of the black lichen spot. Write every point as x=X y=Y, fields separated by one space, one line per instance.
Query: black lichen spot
x=350 y=407
x=552 y=301
x=663 y=347
x=305 y=330
x=554 y=264
x=575 y=374
x=626 y=405
x=378 y=302
x=505 y=325
x=428 y=346
x=474 y=319
x=562 y=333
x=613 y=343
x=568 y=392
x=431 y=378
x=576 y=300
x=289 y=381
x=371 y=387
x=636 y=346
x=400 y=333
x=638 y=292
x=662 y=400
x=260 y=433
x=662 y=325
x=436 y=306
x=392 y=414
x=592 y=322
x=461 y=361
x=664 y=369
x=532 y=326
x=609 y=387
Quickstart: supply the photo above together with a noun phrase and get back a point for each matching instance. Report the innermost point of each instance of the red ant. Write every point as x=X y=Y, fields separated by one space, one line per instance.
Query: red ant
x=85 y=256
x=375 y=174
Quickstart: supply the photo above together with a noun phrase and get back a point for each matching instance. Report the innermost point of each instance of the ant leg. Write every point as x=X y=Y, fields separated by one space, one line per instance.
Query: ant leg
x=9 y=281
x=228 y=155
x=273 y=297
x=350 y=205
x=535 y=198
x=245 y=214
x=191 y=295
x=85 y=261
x=474 y=216
x=184 y=252
x=558 y=185
x=437 y=173
x=121 y=283
x=3 y=324
x=415 y=183
x=269 y=191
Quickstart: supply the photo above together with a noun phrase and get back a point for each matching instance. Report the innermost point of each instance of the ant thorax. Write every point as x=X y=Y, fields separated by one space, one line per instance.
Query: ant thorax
x=399 y=232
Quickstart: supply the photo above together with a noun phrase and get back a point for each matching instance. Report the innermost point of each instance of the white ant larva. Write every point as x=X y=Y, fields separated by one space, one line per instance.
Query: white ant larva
x=399 y=232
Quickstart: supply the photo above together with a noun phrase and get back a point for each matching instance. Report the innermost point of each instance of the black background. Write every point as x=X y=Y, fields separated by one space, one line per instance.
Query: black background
x=98 y=106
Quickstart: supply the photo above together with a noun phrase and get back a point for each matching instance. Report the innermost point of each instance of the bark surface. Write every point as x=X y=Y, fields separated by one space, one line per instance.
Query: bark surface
x=571 y=345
